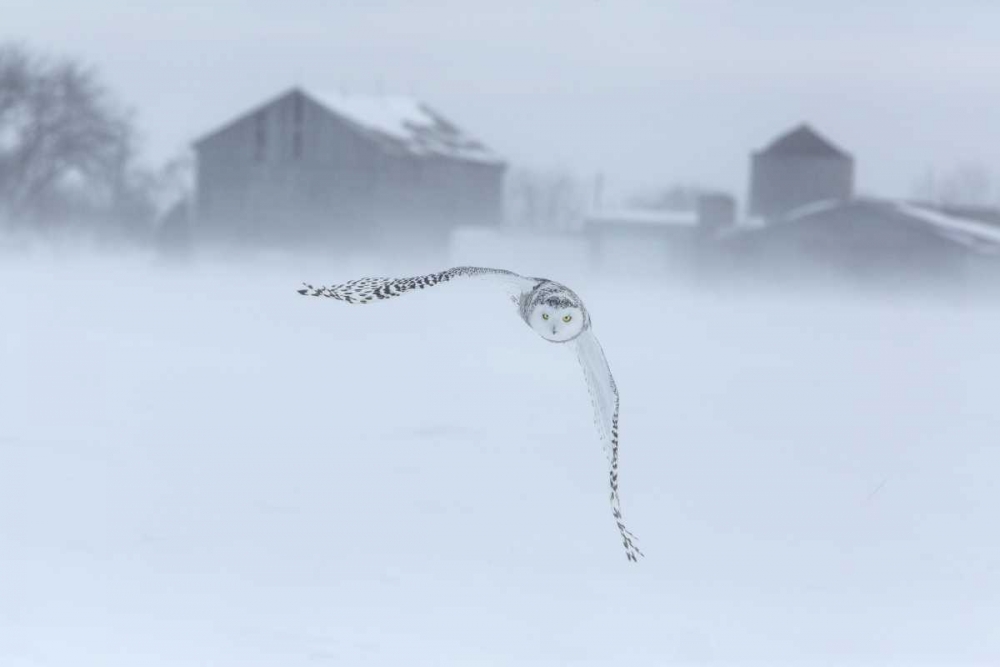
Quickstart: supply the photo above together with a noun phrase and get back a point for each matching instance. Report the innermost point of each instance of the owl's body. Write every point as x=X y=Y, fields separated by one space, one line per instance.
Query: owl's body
x=554 y=312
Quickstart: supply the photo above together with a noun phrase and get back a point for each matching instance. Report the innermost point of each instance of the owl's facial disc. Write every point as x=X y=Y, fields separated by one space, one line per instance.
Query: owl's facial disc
x=557 y=324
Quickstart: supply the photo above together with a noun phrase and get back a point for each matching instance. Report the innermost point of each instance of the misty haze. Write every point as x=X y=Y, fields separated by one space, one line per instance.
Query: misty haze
x=784 y=225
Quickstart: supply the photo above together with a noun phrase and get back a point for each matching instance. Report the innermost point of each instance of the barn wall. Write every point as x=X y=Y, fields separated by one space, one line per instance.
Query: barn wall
x=780 y=183
x=262 y=179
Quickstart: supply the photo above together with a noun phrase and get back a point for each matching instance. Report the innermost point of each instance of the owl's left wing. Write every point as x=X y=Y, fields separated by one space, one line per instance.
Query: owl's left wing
x=366 y=290
x=604 y=397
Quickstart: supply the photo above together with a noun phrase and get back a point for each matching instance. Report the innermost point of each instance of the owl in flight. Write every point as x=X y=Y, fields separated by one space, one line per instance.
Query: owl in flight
x=555 y=313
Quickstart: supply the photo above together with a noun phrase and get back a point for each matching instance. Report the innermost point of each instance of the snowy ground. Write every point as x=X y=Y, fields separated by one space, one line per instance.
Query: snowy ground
x=199 y=467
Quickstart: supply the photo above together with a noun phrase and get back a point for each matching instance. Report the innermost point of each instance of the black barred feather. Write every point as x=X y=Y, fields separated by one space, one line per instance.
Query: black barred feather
x=366 y=290
x=632 y=552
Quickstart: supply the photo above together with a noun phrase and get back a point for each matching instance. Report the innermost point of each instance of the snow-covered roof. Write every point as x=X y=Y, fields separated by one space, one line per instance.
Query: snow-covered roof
x=974 y=234
x=978 y=235
x=405 y=124
x=642 y=216
x=811 y=208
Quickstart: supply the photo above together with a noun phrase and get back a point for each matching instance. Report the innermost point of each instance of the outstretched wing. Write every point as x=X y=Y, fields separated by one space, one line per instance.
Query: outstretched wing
x=604 y=396
x=366 y=290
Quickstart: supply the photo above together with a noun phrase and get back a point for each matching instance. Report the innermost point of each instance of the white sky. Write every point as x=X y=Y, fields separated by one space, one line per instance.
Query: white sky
x=647 y=92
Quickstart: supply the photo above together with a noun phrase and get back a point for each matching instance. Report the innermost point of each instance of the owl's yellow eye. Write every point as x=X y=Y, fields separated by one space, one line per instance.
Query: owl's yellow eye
x=545 y=316
x=567 y=318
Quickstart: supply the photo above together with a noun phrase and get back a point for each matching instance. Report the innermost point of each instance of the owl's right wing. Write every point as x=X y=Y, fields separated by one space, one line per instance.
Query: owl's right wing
x=604 y=397
x=366 y=290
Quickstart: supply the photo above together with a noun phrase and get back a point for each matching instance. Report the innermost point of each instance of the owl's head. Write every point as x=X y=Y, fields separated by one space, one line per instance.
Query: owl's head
x=557 y=321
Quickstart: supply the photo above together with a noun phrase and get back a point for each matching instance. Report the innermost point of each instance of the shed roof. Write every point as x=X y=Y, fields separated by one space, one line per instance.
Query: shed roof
x=975 y=234
x=972 y=234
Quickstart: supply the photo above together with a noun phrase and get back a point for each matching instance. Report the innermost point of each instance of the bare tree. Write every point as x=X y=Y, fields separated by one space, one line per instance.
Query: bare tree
x=675 y=197
x=173 y=189
x=174 y=182
x=966 y=184
x=551 y=200
x=63 y=140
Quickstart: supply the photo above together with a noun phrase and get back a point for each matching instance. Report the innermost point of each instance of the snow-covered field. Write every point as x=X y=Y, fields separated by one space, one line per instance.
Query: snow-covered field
x=200 y=467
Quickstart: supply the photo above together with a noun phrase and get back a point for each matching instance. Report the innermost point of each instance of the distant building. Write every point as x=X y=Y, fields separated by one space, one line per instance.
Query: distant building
x=798 y=168
x=644 y=240
x=804 y=226
x=874 y=241
x=345 y=170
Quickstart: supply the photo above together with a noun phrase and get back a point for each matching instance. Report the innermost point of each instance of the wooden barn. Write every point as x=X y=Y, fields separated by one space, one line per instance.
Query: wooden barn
x=798 y=168
x=343 y=171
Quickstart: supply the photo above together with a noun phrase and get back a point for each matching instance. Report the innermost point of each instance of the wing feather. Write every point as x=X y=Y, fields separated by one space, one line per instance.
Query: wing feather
x=366 y=290
x=604 y=397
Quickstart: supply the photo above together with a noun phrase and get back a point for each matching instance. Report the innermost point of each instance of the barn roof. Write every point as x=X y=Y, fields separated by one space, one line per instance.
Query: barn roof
x=397 y=123
x=803 y=140
x=405 y=124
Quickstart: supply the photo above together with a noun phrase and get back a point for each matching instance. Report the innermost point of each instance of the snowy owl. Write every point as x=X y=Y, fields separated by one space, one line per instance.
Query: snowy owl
x=555 y=313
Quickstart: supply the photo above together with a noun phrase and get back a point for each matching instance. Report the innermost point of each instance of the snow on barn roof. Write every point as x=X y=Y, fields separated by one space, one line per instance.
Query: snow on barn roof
x=980 y=236
x=812 y=208
x=405 y=124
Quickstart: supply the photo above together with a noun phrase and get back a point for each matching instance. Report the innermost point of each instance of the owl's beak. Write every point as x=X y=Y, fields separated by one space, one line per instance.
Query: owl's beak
x=553 y=331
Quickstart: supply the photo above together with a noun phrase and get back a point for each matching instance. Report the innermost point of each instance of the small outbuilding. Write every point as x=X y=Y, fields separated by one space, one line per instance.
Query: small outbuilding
x=798 y=168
